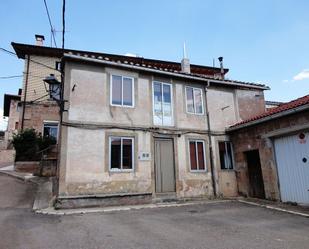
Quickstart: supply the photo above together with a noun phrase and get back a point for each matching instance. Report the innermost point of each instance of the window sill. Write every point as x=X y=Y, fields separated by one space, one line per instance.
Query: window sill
x=198 y=171
x=195 y=114
x=123 y=106
x=121 y=171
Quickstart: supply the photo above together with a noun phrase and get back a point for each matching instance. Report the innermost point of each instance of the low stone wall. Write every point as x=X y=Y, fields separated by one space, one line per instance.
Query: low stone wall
x=64 y=202
x=7 y=157
x=49 y=168
x=27 y=167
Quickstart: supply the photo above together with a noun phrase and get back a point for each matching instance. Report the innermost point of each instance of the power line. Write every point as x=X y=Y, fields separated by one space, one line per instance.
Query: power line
x=37 y=62
x=10 y=77
x=50 y=23
x=63 y=22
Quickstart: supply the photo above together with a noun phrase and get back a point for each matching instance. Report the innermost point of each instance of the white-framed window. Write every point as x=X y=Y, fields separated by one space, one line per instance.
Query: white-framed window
x=226 y=155
x=50 y=129
x=121 y=153
x=122 y=91
x=162 y=103
x=197 y=155
x=194 y=100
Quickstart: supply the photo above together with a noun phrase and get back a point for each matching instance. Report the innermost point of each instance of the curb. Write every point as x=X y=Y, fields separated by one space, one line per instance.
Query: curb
x=52 y=211
x=19 y=177
x=274 y=208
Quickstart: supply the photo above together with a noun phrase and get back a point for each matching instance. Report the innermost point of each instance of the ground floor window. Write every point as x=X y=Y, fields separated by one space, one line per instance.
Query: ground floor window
x=51 y=130
x=121 y=153
x=197 y=155
x=226 y=156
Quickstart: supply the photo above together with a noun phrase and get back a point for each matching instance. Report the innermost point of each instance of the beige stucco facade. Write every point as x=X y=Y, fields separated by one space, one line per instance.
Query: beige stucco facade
x=91 y=120
x=38 y=108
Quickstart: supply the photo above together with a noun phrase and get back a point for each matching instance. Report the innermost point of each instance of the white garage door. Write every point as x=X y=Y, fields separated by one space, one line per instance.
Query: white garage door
x=292 y=155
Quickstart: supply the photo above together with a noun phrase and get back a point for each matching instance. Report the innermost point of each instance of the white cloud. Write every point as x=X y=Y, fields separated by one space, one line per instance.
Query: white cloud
x=285 y=81
x=302 y=75
x=3 y=122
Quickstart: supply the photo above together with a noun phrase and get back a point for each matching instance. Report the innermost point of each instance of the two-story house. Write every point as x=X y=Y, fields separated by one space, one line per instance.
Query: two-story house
x=136 y=129
x=141 y=131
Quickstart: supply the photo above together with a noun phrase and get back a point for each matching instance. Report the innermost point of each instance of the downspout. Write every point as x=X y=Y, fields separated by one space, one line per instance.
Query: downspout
x=61 y=110
x=213 y=178
x=25 y=93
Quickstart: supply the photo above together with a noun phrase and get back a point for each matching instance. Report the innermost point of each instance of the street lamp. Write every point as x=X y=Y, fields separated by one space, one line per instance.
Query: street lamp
x=53 y=87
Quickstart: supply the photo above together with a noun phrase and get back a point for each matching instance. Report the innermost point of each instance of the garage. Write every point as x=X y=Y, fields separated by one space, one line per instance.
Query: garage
x=292 y=156
x=271 y=153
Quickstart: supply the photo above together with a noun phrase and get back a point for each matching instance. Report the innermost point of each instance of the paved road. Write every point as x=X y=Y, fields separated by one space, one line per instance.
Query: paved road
x=225 y=226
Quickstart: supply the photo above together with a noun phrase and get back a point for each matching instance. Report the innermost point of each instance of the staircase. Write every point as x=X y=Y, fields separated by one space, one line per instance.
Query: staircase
x=48 y=162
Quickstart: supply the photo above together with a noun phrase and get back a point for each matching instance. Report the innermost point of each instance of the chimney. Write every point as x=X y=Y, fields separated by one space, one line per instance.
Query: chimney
x=221 y=67
x=185 y=62
x=39 y=40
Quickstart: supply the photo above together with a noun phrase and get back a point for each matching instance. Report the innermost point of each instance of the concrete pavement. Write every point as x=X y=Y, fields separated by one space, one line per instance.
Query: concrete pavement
x=219 y=225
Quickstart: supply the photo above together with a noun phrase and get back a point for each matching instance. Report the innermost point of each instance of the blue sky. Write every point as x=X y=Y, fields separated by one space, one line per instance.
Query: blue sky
x=261 y=41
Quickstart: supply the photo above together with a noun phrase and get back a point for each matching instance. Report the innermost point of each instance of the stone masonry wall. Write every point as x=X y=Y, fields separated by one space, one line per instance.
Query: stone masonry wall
x=251 y=138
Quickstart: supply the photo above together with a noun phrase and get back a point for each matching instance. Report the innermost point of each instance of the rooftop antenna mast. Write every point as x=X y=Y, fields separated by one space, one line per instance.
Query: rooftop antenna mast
x=185 y=56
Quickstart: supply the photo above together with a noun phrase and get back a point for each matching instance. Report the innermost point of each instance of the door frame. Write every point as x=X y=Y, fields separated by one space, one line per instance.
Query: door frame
x=250 y=190
x=172 y=139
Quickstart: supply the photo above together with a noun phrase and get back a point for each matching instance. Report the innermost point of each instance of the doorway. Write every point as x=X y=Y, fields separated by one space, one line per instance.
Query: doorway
x=164 y=165
x=255 y=174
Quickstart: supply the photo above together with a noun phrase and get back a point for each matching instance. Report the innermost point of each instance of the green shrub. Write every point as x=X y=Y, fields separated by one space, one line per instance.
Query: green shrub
x=28 y=143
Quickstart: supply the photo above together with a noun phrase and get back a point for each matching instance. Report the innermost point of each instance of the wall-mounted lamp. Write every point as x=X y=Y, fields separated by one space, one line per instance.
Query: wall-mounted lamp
x=53 y=87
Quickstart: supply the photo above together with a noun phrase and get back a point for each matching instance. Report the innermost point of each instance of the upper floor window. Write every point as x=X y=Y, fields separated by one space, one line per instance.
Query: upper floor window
x=194 y=100
x=122 y=91
x=162 y=104
x=226 y=157
x=197 y=155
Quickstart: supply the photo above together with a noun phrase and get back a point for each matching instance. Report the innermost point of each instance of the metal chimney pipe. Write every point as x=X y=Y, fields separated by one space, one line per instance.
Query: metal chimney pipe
x=221 y=67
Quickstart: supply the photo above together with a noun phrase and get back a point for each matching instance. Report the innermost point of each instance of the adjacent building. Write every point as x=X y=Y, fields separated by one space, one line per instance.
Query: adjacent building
x=11 y=109
x=272 y=153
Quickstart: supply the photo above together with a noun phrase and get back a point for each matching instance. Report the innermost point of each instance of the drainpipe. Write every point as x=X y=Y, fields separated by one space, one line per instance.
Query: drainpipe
x=25 y=93
x=213 y=178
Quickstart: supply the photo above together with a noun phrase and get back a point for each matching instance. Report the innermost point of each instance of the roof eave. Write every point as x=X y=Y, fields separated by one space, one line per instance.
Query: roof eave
x=147 y=69
x=268 y=118
x=7 y=102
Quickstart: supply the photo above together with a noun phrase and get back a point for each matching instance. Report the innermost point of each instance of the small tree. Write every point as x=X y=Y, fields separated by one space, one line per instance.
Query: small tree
x=25 y=144
x=28 y=143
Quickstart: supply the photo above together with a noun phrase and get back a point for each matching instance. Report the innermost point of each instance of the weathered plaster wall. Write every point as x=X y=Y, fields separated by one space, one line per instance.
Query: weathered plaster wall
x=87 y=164
x=84 y=156
x=255 y=138
x=225 y=179
x=223 y=110
x=192 y=184
x=250 y=103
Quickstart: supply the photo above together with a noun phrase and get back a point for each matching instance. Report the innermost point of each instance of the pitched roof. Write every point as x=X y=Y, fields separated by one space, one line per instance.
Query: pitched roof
x=273 y=113
x=146 y=67
x=197 y=71
x=23 y=49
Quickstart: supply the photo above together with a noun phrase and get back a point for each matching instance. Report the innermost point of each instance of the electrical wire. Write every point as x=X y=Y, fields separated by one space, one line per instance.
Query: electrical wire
x=63 y=22
x=50 y=23
x=37 y=62
x=10 y=77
